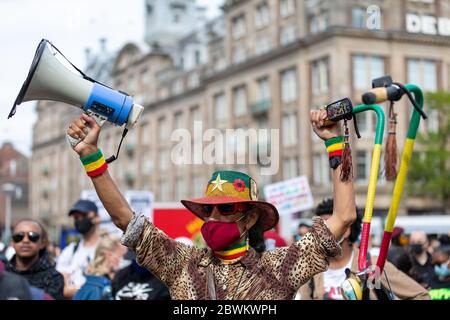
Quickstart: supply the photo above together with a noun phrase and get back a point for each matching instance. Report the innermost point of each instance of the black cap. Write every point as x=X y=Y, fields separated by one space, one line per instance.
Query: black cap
x=83 y=206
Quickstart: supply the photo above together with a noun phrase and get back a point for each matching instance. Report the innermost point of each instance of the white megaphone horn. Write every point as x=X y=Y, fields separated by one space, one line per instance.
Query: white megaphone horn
x=49 y=79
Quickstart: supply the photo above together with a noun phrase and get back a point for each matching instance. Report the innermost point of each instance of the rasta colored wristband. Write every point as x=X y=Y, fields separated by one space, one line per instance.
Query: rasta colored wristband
x=335 y=146
x=94 y=164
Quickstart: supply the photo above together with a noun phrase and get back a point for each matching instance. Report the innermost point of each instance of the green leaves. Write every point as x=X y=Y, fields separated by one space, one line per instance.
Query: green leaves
x=429 y=172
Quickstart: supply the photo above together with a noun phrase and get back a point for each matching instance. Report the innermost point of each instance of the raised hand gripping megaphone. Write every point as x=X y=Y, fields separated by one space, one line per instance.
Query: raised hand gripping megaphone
x=49 y=79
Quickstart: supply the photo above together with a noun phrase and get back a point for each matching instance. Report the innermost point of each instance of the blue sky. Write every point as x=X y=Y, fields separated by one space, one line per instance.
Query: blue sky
x=72 y=25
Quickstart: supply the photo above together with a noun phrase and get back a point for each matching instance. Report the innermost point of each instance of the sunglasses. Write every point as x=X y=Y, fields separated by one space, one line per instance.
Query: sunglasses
x=225 y=209
x=32 y=236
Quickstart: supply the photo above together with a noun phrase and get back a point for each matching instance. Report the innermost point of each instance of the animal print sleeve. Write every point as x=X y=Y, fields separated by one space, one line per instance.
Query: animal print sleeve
x=162 y=255
x=309 y=256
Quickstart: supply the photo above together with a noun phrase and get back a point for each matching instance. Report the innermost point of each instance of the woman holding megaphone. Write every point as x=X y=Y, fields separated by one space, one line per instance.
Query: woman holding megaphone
x=235 y=265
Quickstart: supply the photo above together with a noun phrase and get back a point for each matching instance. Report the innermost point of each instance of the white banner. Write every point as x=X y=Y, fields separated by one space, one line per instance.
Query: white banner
x=290 y=196
x=140 y=202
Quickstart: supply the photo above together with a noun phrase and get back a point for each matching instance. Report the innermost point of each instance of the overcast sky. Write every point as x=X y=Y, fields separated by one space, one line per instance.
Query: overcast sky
x=72 y=25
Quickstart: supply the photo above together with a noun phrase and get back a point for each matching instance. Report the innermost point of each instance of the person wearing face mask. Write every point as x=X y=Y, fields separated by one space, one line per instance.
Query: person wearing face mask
x=100 y=272
x=235 y=264
x=75 y=258
x=441 y=262
x=394 y=284
x=137 y=283
x=422 y=261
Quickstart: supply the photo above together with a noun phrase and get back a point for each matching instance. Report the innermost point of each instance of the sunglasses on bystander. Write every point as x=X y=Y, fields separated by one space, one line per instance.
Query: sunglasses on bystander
x=32 y=236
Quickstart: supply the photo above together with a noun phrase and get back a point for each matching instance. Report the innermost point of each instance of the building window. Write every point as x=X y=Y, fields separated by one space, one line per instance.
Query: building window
x=193 y=80
x=424 y=74
x=367 y=122
x=146 y=165
x=262 y=15
x=361 y=118
x=289 y=129
x=145 y=134
x=263 y=90
x=177 y=86
x=198 y=186
x=220 y=107
x=238 y=142
x=177 y=12
x=240 y=101
x=289 y=85
x=178 y=120
x=263 y=45
x=197 y=57
x=288 y=35
x=239 y=54
x=264 y=142
x=163 y=129
x=164 y=191
x=195 y=115
x=362 y=166
x=180 y=188
x=238 y=27
x=263 y=123
x=287 y=8
x=321 y=169
x=149 y=8
x=319 y=74
x=164 y=160
x=290 y=168
x=365 y=69
x=358 y=17
x=12 y=167
x=318 y=23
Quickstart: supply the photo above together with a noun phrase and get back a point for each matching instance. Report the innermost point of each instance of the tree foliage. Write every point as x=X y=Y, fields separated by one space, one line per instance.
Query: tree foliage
x=429 y=172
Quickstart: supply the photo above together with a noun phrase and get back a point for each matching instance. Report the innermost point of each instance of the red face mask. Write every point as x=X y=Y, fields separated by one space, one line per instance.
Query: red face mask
x=219 y=235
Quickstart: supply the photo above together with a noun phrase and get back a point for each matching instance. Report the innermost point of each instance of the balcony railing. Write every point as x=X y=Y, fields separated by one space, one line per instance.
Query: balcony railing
x=261 y=106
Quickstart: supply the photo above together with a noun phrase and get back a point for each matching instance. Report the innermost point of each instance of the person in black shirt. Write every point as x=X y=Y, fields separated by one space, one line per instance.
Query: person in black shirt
x=422 y=261
x=137 y=283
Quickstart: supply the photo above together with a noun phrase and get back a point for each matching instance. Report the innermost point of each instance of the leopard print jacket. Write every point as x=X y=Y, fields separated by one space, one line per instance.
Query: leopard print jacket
x=195 y=274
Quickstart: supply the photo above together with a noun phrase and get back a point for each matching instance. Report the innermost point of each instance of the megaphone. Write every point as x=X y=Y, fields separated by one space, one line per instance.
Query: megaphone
x=352 y=287
x=49 y=79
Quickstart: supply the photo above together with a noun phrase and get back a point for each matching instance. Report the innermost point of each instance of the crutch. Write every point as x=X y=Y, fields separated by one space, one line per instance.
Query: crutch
x=394 y=92
x=343 y=110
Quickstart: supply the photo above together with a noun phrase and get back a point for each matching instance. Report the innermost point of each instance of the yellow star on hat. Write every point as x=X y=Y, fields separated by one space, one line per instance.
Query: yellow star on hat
x=218 y=183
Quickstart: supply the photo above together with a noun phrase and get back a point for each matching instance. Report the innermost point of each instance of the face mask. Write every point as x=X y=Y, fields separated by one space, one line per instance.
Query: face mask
x=84 y=225
x=416 y=248
x=219 y=235
x=442 y=271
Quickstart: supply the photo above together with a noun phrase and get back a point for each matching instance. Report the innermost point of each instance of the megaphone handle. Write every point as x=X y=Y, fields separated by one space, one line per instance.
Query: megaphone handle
x=98 y=118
